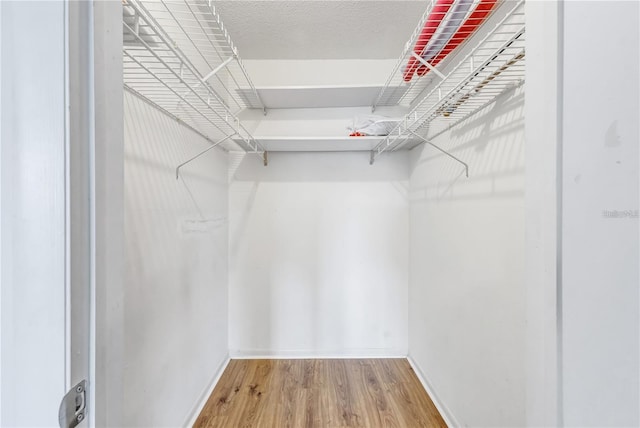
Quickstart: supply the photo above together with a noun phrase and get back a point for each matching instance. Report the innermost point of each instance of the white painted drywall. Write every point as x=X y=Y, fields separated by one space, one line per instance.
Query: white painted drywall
x=176 y=243
x=345 y=72
x=541 y=194
x=107 y=366
x=345 y=29
x=600 y=250
x=318 y=247
x=1 y=259
x=33 y=212
x=466 y=281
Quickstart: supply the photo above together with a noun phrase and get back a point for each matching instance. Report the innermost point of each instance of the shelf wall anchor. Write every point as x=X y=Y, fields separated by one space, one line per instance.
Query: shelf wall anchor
x=201 y=153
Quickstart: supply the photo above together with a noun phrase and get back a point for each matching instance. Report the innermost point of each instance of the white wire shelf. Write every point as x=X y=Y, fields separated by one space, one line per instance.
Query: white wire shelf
x=320 y=144
x=494 y=64
x=178 y=56
x=391 y=94
x=335 y=96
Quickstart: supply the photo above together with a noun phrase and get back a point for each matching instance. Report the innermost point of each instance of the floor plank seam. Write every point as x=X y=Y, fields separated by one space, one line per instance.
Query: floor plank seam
x=320 y=393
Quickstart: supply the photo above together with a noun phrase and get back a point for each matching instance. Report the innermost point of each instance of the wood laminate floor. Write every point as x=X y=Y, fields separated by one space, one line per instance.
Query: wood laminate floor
x=319 y=393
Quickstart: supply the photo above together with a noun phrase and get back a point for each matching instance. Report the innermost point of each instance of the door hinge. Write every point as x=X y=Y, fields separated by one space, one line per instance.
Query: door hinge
x=73 y=408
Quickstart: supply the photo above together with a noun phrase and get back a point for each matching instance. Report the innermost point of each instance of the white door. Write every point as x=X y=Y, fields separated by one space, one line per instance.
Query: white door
x=45 y=256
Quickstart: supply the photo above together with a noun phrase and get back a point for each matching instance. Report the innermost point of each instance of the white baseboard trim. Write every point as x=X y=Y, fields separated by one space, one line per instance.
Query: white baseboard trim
x=278 y=355
x=446 y=414
x=195 y=412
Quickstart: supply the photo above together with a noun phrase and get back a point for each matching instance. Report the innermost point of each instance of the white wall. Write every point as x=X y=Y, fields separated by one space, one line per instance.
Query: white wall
x=542 y=106
x=1 y=37
x=175 y=301
x=466 y=281
x=319 y=259
x=309 y=122
x=107 y=211
x=319 y=72
x=600 y=250
x=33 y=281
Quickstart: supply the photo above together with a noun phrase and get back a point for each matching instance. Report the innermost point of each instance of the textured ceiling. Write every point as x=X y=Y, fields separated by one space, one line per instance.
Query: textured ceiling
x=309 y=29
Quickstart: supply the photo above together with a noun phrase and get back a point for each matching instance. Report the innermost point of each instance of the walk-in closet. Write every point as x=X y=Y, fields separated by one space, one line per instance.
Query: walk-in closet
x=320 y=213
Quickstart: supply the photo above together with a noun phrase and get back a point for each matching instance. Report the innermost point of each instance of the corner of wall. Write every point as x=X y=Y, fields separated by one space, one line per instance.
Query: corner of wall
x=446 y=414
x=206 y=393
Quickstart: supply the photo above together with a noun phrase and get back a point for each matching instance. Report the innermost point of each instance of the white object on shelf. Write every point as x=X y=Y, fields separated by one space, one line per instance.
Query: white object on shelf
x=373 y=125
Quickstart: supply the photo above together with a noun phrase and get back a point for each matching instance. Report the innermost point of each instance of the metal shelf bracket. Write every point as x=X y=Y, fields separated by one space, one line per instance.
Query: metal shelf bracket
x=429 y=66
x=201 y=153
x=466 y=166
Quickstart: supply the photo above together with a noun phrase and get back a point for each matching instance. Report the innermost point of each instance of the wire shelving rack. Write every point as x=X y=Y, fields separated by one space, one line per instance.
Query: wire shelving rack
x=495 y=64
x=178 y=55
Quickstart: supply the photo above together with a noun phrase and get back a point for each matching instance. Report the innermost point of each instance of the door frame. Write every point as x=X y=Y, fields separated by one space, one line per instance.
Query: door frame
x=107 y=345
x=76 y=69
x=35 y=332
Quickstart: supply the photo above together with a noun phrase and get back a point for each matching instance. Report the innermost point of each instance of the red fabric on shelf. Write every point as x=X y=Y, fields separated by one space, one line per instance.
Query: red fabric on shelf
x=470 y=25
x=433 y=21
